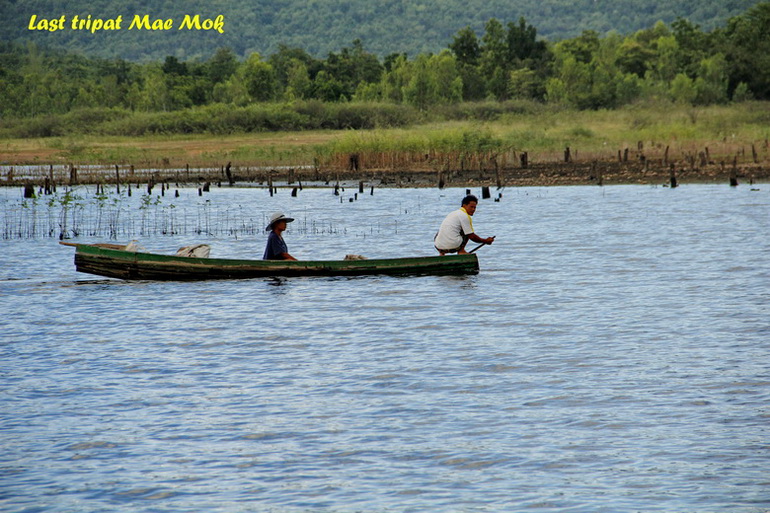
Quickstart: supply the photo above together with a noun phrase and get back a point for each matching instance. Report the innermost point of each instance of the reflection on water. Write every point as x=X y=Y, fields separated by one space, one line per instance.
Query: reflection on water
x=612 y=355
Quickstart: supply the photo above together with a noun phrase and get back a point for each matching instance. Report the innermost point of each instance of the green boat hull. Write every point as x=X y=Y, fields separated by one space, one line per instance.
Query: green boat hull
x=129 y=265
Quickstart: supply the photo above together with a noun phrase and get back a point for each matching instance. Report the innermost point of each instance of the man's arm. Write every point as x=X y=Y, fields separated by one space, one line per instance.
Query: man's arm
x=480 y=240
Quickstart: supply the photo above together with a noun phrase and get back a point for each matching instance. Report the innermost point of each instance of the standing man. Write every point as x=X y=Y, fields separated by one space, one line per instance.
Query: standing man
x=457 y=229
x=276 y=247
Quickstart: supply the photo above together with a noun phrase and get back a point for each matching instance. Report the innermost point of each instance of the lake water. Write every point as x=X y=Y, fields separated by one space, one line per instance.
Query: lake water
x=613 y=355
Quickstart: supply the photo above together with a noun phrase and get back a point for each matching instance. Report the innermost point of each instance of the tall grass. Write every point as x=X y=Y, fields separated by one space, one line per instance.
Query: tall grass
x=302 y=133
x=78 y=212
x=726 y=130
x=87 y=212
x=445 y=148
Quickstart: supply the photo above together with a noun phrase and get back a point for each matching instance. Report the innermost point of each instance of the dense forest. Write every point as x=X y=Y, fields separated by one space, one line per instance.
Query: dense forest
x=323 y=26
x=291 y=89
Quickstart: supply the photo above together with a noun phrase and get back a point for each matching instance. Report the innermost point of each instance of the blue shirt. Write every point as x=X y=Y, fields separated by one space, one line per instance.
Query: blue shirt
x=275 y=247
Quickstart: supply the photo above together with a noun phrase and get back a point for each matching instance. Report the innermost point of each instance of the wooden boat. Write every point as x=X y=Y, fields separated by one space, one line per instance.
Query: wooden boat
x=114 y=261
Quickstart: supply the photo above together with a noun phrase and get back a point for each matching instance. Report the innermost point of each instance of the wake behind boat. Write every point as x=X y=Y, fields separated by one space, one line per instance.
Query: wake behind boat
x=115 y=261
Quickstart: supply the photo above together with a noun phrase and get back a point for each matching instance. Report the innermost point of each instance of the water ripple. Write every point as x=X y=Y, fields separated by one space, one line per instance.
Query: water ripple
x=612 y=355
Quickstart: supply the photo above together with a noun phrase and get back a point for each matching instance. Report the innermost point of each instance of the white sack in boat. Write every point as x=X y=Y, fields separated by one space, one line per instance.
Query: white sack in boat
x=196 y=251
x=133 y=246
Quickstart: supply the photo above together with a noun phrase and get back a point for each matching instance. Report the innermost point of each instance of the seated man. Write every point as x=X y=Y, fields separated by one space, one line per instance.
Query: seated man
x=457 y=229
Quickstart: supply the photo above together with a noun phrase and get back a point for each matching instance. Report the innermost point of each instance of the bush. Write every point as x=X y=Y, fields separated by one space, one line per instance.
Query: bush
x=89 y=119
x=44 y=126
x=486 y=110
x=220 y=118
x=372 y=115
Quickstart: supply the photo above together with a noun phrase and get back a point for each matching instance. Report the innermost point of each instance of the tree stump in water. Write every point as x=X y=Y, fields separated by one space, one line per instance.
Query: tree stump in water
x=734 y=173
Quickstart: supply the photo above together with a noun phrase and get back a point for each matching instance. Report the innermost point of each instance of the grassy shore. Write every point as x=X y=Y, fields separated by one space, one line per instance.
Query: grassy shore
x=692 y=138
x=275 y=148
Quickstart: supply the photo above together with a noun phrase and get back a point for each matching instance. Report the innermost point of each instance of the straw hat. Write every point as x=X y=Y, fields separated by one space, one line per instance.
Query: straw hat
x=278 y=216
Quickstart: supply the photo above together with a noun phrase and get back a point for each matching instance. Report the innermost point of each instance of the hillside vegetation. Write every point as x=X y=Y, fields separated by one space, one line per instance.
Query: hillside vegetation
x=507 y=68
x=323 y=26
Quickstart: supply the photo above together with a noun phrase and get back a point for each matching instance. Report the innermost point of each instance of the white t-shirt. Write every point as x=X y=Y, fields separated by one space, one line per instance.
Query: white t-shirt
x=455 y=227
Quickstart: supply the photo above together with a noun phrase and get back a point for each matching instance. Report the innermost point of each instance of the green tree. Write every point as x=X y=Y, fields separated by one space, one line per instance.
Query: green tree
x=367 y=92
x=352 y=66
x=221 y=66
x=599 y=83
x=449 y=84
x=494 y=52
x=467 y=51
x=497 y=84
x=113 y=92
x=422 y=89
x=392 y=59
x=465 y=46
x=556 y=91
x=628 y=89
x=522 y=84
x=572 y=84
x=327 y=88
x=298 y=83
x=285 y=60
x=523 y=46
x=153 y=94
x=582 y=48
x=474 y=84
x=711 y=83
x=394 y=81
x=172 y=66
x=693 y=45
x=608 y=79
x=258 y=78
x=634 y=57
x=748 y=50
x=665 y=66
x=742 y=93
x=231 y=91
x=683 y=89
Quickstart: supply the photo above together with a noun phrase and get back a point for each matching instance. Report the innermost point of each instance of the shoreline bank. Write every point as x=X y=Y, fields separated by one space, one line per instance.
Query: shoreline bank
x=50 y=176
